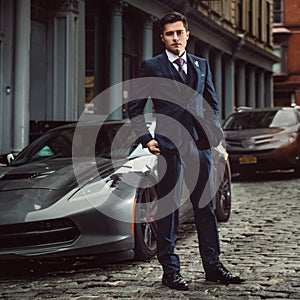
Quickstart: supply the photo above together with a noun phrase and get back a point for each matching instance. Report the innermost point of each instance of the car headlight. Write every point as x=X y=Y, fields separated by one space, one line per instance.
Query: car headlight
x=292 y=137
x=109 y=181
x=284 y=138
x=114 y=180
x=98 y=187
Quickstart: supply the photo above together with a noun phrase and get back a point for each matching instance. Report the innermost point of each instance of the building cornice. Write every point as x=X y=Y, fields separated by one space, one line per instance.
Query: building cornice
x=238 y=45
x=214 y=30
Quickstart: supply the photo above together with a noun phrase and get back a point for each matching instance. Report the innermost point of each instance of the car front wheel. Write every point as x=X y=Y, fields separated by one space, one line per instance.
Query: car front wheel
x=145 y=226
x=223 y=198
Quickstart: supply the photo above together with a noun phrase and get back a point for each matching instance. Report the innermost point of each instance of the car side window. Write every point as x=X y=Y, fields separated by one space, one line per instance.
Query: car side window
x=284 y=118
x=56 y=147
x=44 y=152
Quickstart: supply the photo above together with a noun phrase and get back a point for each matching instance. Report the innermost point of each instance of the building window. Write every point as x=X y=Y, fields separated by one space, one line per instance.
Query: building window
x=220 y=7
x=1 y=18
x=130 y=48
x=280 y=68
x=38 y=11
x=278 y=11
x=97 y=22
x=250 y=17
x=277 y=66
x=240 y=14
x=268 y=24
x=90 y=57
x=259 y=19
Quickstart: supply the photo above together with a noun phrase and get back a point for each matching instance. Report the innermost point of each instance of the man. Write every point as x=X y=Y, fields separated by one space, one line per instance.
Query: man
x=187 y=126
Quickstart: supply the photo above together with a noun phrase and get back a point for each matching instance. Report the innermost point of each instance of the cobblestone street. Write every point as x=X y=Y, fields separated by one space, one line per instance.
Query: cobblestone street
x=260 y=242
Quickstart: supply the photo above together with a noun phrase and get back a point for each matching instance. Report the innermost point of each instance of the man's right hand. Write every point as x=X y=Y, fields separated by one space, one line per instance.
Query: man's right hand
x=153 y=147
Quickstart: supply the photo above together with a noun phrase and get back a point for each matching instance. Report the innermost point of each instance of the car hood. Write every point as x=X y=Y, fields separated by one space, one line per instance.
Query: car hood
x=50 y=175
x=251 y=133
x=53 y=174
x=38 y=185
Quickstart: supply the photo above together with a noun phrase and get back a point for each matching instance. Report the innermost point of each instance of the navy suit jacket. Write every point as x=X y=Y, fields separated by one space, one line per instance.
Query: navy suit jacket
x=182 y=112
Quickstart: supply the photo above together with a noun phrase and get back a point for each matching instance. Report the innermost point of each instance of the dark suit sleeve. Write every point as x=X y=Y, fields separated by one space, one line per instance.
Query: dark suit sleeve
x=139 y=94
x=211 y=108
x=210 y=97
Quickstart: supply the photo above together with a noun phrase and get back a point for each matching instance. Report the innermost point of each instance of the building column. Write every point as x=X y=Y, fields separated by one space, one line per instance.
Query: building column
x=81 y=58
x=191 y=46
x=22 y=76
x=63 y=47
x=99 y=55
x=116 y=62
x=269 y=90
x=218 y=80
x=148 y=50
x=251 y=86
x=7 y=39
x=241 y=84
x=228 y=86
x=260 y=90
x=205 y=51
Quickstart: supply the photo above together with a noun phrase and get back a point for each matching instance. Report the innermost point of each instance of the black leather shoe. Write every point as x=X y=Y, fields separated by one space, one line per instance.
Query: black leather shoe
x=222 y=275
x=175 y=281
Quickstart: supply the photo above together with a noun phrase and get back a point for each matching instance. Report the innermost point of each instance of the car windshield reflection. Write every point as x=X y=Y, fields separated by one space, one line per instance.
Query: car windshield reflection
x=59 y=143
x=260 y=120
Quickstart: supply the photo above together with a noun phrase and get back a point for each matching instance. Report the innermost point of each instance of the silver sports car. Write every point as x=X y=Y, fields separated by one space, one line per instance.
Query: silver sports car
x=78 y=190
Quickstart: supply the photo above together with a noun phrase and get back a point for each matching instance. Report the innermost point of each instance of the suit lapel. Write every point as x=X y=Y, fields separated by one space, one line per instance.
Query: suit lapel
x=196 y=64
x=164 y=65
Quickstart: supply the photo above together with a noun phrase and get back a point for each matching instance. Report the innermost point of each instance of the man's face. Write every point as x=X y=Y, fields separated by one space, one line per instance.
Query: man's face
x=175 y=37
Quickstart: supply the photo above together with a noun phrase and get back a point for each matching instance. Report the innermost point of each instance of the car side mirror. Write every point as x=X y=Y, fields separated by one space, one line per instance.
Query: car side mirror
x=6 y=159
x=10 y=157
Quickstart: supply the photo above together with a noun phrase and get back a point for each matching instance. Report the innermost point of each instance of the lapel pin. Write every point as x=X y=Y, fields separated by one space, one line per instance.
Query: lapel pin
x=196 y=64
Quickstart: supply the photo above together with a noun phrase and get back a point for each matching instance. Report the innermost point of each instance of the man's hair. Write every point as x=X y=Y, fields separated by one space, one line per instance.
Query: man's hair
x=172 y=17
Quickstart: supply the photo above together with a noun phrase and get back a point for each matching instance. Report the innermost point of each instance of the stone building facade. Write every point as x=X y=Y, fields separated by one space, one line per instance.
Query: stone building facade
x=56 y=56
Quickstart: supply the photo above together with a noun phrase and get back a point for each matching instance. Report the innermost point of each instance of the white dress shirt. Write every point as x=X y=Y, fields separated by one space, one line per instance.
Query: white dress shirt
x=172 y=57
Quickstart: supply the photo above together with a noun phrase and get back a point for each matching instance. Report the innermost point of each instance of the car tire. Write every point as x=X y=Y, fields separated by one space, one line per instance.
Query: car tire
x=223 y=198
x=145 y=226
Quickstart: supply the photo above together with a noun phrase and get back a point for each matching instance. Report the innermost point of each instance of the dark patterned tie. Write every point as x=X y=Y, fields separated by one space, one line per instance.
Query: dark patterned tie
x=180 y=62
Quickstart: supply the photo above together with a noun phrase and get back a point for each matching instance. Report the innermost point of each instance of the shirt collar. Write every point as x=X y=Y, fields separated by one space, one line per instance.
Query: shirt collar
x=172 y=57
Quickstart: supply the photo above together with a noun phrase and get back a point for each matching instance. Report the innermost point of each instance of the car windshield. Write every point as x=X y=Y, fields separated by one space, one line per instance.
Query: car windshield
x=112 y=140
x=260 y=119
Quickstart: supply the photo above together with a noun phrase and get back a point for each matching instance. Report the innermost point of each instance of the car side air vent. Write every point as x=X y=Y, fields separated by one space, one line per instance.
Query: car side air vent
x=25 y=175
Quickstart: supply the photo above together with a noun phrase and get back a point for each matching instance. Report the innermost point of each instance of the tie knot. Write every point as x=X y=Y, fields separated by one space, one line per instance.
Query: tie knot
x=179 y=61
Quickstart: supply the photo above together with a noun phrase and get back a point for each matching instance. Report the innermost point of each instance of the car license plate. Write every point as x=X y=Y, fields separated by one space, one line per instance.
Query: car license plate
x=248 y=160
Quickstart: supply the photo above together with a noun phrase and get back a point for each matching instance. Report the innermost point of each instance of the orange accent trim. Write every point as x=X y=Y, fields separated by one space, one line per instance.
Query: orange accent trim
x=133 y=216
